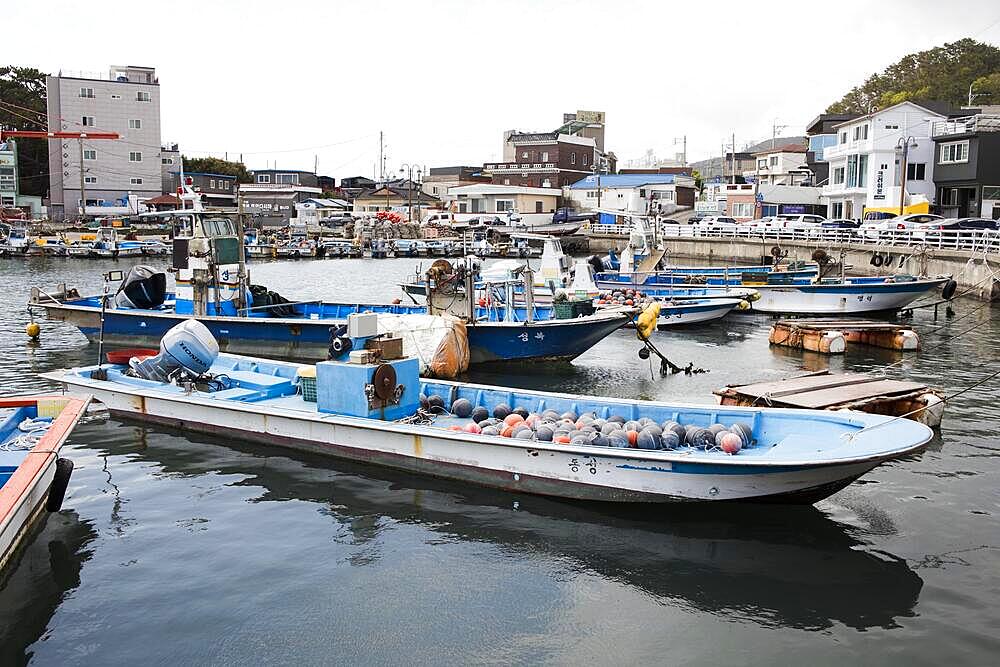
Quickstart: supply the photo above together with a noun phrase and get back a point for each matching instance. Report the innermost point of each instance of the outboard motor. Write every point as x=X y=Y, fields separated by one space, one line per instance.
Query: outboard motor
x=143 y=287
x=188 y=347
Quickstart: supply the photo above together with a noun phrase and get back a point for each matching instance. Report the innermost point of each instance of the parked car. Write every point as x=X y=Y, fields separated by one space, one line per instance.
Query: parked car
x=696 y=218
x=763 y=225
x=569 y=215
x=950 y=229
x=801 y=222
x=978 y=224
x=873 y=229
x=716 y=222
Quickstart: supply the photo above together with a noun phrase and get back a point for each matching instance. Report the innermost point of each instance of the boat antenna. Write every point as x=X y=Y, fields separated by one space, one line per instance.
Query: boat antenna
x=100 y=373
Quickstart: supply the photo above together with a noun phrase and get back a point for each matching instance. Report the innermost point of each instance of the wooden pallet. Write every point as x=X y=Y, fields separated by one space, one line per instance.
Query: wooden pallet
x=831 y=336
x=842 y=391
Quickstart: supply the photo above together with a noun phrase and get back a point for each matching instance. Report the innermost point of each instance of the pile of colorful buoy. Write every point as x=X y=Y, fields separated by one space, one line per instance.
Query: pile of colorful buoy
x=589 y=429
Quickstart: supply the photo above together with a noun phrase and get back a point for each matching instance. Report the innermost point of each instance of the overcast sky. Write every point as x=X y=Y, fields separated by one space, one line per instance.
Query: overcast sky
x=287 y=81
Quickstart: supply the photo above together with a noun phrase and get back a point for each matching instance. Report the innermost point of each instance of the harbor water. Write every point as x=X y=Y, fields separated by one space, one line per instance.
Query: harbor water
x=174 y=548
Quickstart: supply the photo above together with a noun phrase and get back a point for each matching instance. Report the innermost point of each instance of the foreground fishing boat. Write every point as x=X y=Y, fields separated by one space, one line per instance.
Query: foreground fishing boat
x=32 y=476
x=371 y=410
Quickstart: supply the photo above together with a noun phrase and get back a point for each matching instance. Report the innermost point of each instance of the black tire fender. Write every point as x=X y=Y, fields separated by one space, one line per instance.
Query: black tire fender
x=60 y=482
x=948 y=291
x=876 y=260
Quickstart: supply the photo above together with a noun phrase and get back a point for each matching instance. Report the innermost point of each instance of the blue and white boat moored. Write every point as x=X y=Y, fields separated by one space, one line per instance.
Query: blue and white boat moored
x=372 y=412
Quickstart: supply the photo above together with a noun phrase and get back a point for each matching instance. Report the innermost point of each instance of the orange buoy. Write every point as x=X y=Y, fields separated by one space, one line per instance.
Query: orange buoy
x=513 y=419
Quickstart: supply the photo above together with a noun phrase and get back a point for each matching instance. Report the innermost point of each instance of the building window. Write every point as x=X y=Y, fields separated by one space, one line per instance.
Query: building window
x=141 y=96
x=504 y=205
x=506 y=181
x=90 y=179
x=88 y=121
x=837 y=210
x=957 y=151
x=135 y=123
x=583 y=160
x=852 y=171
x=762 y=163
x=863 y=170
x=545 y=156
x=774 y=160
x=7 y=201
x=843 y=137
x=288 y=179
x=135 y=156
x=991 y=192
x=572 y=158
x=263 y=178
x=86 y=92
x=538 y=206
x=211 y=183
x=167 y=160
x=864 y=131
x=915 y=171
x=89 y=154
x=135 y=181
x=949 y=197
x=742 y=209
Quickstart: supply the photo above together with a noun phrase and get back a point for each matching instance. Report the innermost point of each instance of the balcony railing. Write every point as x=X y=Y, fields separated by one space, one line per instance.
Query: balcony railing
x=519 y=166
x=966 y=125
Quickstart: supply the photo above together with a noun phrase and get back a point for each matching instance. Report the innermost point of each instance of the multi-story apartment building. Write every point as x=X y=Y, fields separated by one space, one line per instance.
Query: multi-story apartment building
x=127 y=101
x=217 y=190
x=170 y=167
x=967 y=166
x=284 y=177
x=866 y=163
x=783 y=165
x=553 y=159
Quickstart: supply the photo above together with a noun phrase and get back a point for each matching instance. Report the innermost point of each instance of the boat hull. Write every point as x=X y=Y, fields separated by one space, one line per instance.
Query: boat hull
x=308 y=340
x=681 y=314
x=841 y=299
x=574 y=474
x=23 y=496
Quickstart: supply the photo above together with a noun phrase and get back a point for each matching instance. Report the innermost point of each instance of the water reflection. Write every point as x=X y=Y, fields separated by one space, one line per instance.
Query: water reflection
x=35 y=582
x=772 y=566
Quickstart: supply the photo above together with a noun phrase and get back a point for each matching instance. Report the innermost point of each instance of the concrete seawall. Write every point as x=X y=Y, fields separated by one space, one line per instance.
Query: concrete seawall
x=973 y=271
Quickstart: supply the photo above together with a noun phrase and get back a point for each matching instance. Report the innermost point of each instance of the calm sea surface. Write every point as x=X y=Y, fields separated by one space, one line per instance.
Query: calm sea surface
x=178 y=549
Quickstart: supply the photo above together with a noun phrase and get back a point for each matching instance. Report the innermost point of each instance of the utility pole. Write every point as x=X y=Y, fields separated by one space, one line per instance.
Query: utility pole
x=774 y=131
x=381 y=165
x=734 y=158
x=83 y=186
x=903 y=145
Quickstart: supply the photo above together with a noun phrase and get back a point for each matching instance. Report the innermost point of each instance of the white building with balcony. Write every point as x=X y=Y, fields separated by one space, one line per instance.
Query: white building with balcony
x=865 y=164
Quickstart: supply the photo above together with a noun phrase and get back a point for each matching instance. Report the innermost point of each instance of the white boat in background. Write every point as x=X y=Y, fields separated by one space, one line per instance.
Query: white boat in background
x=849 y=296
x=695 y=311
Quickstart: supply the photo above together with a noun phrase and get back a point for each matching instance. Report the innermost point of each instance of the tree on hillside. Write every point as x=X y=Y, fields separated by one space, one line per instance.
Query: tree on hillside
x=22 y=107
x=987 y=89
x=214 y=165
x=942 y=73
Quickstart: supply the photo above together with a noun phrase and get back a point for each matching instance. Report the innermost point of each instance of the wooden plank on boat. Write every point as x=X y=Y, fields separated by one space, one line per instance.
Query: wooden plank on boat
x=826 y=391
x=831 y=336
x=650 y=263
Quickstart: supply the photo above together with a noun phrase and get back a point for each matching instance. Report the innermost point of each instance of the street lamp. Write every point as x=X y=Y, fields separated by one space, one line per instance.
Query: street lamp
x=598 y=167
x=409 y=169
x=903 y=147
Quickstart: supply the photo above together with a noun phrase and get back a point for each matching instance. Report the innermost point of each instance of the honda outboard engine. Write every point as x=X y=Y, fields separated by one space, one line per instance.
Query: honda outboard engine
x=188 y=347
x=143 y=287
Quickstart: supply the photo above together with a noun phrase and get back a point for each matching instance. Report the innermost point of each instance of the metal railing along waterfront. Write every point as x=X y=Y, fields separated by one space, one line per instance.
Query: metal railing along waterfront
x=979 y=241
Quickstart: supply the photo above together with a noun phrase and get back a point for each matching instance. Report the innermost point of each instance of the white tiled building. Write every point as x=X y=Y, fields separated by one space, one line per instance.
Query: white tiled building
x=126 y=101
x=783 y=165
x=865 y=162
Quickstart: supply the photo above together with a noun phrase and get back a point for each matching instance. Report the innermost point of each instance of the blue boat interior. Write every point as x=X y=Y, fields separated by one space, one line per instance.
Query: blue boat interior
x=10 y=459
x=777 y=435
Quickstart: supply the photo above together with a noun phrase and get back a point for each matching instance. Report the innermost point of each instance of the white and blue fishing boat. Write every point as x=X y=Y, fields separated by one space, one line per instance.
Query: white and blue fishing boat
x=696 y=311
x=212 y=286
x=108 y=243
x=33 y=477
x=377 y=410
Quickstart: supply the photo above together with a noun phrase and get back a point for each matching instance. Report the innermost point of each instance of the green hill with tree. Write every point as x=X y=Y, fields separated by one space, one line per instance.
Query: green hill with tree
x=22 y=107
x=943 y=73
